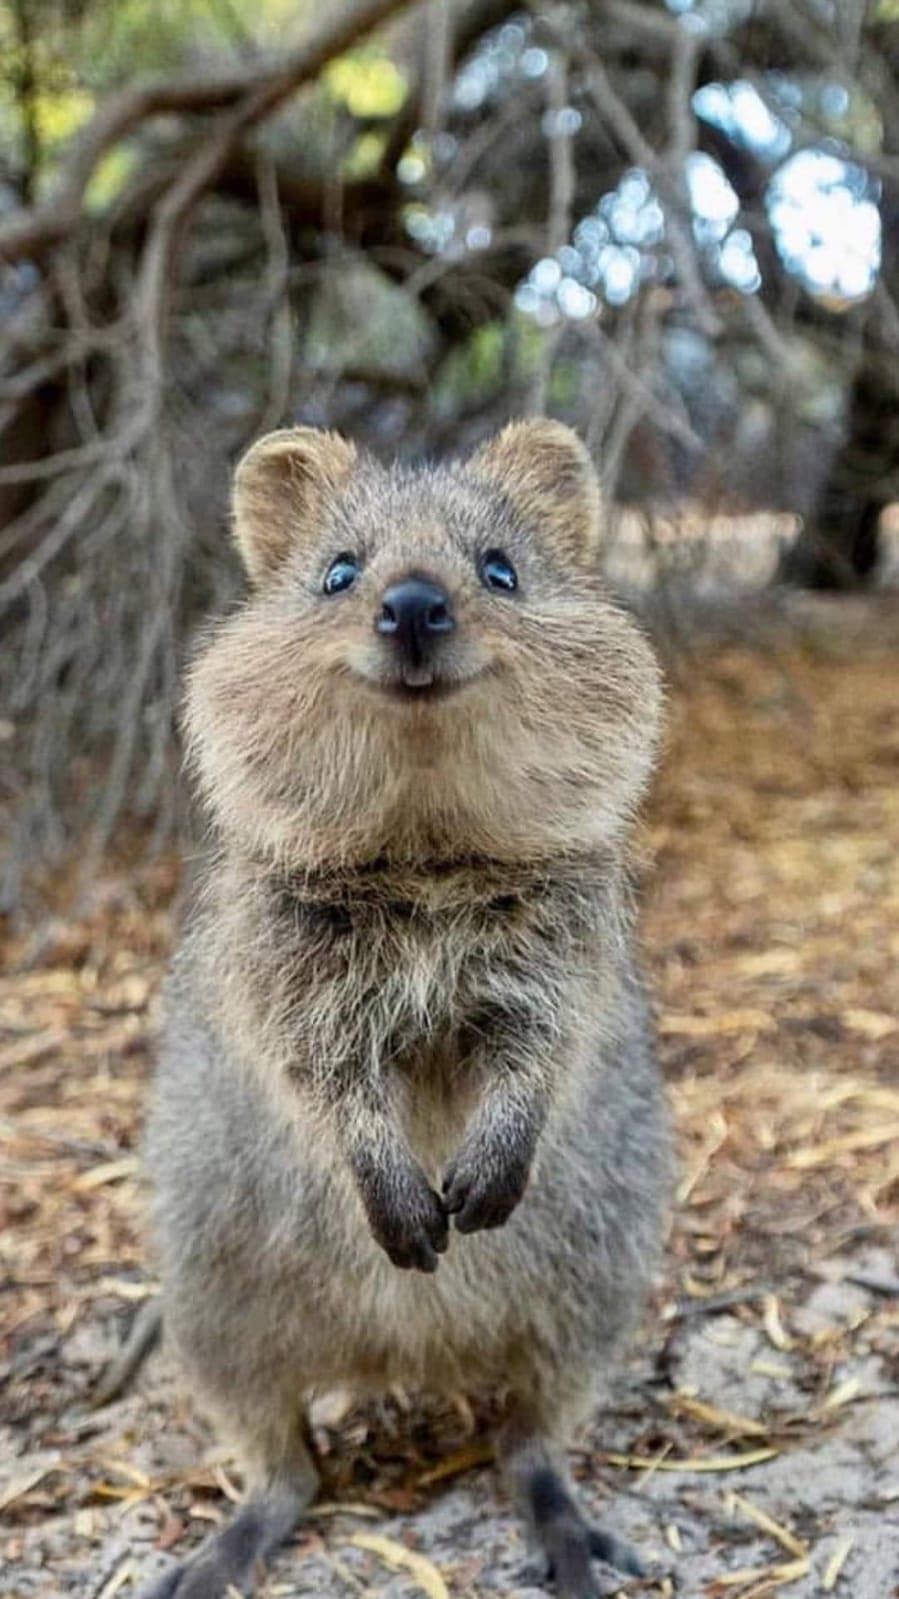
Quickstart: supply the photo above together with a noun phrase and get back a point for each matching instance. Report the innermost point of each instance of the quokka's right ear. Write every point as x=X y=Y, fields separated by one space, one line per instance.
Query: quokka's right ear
x=547 y=475
x=280 y=489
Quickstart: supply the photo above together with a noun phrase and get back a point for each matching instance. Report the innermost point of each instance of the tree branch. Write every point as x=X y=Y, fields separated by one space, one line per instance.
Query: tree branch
x=257 y=92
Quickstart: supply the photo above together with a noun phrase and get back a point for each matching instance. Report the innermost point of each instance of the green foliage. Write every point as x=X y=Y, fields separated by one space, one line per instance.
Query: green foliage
x=365 y=156
x=368 y=83
x=59 y=57
x=75 y=51
x=111 y=174
x=43 y=99
x=565 y=381
x=361 y=320
x=502 y=353
x=472 y=369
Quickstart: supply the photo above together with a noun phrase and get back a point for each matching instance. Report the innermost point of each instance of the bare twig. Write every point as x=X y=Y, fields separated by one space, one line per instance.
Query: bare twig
x=277 y=297
x=561 y=199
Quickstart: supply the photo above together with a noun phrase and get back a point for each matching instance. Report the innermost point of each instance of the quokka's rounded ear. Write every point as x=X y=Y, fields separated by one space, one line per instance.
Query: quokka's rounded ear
x=547 y=474
x=280 y=488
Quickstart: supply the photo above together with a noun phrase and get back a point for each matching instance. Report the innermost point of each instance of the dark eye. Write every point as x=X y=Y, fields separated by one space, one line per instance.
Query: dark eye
x=341 y=574
x=497 y=572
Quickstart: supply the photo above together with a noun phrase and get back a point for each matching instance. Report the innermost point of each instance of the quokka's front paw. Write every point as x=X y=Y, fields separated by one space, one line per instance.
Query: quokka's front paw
x=406 y=1217
x=482 y=1186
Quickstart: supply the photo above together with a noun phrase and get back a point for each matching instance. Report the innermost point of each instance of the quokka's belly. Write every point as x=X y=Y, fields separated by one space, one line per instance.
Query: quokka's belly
x=501 y=1304
x=254 y=1215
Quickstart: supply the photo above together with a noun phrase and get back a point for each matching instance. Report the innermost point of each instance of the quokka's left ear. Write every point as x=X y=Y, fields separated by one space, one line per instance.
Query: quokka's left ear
x=280 y=489
x=546 y=472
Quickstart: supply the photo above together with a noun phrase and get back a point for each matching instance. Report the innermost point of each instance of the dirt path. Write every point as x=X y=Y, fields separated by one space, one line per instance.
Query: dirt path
x=757 y=1431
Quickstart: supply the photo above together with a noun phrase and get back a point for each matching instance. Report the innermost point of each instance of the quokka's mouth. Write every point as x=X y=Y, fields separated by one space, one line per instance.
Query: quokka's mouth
x=434 y=691
x=422 y=693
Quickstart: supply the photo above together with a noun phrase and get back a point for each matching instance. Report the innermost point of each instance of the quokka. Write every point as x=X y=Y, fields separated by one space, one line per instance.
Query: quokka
x=407 y=1126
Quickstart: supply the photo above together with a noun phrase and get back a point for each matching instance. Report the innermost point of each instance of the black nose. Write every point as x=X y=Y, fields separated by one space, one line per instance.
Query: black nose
x=415 y=613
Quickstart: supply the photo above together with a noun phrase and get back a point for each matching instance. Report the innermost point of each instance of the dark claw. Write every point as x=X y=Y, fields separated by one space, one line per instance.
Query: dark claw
x=535 y=1572
x=615 y=1552
x=482 y=1199
x=480 y=1220
x=417 y=1256
x=212 y=1580
x=406 y=1216
x=568 y=1540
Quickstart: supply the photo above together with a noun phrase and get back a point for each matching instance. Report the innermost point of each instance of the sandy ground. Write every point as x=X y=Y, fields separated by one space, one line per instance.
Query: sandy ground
x=818 y=1495
x=752 y=1445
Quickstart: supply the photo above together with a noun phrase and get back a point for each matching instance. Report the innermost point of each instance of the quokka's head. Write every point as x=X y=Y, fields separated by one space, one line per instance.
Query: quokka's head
x=428 y=663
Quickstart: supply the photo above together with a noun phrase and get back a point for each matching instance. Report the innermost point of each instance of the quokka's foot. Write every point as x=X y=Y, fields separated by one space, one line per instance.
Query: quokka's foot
x=569 y=1543
x=230 y=1560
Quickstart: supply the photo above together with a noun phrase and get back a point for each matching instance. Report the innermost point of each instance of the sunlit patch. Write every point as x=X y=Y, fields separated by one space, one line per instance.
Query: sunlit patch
x=737 y=263
x=826 y=223
x=504 y=58
x=740 y=111
x=610 y=253
x=823 y=213
x=715 y=208
x=368 y=84
x=715 y=205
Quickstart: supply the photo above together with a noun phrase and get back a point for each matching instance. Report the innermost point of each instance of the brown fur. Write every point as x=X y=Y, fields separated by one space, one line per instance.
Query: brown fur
x=408 y=995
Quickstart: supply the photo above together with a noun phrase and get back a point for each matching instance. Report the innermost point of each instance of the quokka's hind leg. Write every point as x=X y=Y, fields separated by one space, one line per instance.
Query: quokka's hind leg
x=282 y=1482
x=566 y=1542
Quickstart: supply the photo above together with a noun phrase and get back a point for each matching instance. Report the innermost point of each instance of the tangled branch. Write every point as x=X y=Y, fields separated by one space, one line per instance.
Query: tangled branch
x=255 y=92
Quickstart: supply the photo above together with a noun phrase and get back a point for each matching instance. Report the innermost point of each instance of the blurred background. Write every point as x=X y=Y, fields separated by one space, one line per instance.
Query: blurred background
x=675 y=226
